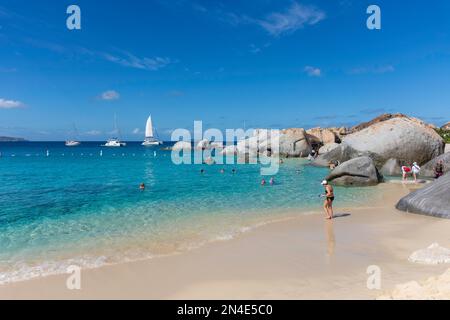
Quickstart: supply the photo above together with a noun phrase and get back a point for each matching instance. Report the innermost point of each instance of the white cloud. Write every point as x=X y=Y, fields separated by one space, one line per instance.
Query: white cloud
x=292 y=19
x=295 y=17
x=130 y=60
x=110 y=95
x=313 y=71
x=10 y=104
x=375 y=69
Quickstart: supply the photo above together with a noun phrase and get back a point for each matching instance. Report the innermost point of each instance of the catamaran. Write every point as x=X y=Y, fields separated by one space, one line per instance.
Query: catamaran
x=73 y=142
x=149 y=136
x=115 y=142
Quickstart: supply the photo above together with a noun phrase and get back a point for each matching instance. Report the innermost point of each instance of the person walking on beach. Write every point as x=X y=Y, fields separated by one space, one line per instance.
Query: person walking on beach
x=415 y=170
x=439 y=169
x=329 y=198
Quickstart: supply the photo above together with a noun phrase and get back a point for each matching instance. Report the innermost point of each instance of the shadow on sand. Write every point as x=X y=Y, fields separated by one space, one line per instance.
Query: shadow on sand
x=341 y=215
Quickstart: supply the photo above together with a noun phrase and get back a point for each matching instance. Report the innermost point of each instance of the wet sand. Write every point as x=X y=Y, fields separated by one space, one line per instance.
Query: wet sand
x=306 y=257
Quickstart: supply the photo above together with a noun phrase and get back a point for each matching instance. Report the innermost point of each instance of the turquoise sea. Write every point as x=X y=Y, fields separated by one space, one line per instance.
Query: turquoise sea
x=77 y=207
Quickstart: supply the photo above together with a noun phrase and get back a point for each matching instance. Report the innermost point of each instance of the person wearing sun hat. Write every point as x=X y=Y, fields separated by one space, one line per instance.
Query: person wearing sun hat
x=329 y=198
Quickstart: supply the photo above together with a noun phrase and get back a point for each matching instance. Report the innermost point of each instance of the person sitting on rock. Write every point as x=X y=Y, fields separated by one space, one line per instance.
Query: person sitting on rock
x=439 y=169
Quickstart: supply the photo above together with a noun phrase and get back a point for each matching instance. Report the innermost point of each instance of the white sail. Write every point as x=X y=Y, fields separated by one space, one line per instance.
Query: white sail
x=149 y=128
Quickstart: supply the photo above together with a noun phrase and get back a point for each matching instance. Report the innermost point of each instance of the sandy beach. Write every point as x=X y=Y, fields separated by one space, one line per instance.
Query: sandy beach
x=303 y=258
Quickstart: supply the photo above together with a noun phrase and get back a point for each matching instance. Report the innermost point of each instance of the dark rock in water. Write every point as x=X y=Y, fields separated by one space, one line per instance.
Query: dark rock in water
x=355 y=172
x=392 y=167
x=339 y=154
x=432 y=200
x=428 y=169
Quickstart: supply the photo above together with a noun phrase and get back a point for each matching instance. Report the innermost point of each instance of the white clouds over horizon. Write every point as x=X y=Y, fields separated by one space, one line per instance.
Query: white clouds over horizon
x=10 y=104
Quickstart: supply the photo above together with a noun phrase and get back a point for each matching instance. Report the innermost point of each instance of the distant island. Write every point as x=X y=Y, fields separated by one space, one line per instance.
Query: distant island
x=11 y=139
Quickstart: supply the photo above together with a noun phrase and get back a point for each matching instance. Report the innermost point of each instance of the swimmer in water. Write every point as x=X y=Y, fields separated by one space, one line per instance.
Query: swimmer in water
x=272 y=181
x=142 y=187
x=263 y=182
x=222 y=171
x=202 y=171
x=233 y=171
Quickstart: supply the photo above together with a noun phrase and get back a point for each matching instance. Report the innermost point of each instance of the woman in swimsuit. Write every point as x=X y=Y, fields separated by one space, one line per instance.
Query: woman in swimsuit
x=329 y=198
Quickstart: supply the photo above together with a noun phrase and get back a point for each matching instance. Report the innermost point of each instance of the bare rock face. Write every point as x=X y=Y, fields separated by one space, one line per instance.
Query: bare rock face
x=446 y=126
x=340 y=154
x=294 y=143
x=356 y=172
x=328 y=147
x=322 y=136
x=392 y=167
x=427 y=170
x=286 y=143
x=431 y=200
x=406 y=139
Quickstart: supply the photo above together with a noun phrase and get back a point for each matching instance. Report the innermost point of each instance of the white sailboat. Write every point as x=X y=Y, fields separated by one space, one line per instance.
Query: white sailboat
x=115 y=142
x=150 y=139
x=73 y=142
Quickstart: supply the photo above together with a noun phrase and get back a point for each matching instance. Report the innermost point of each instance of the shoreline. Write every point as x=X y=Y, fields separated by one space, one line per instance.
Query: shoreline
x=302 y=258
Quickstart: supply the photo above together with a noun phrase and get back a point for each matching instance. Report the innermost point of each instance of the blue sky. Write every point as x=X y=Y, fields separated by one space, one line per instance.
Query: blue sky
x=268 y=63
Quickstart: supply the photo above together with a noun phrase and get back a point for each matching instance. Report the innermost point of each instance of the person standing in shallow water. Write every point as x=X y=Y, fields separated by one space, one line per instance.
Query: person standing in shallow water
x=329 y=198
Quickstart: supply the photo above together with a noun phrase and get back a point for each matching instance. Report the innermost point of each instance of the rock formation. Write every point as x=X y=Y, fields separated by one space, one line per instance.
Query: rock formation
x=431 y=200
x=355 y=172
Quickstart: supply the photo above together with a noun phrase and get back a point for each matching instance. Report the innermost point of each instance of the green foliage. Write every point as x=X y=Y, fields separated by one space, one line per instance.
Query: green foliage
x=445 y=134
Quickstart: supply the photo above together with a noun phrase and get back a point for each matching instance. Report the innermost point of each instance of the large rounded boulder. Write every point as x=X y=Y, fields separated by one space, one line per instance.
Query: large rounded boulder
x=355 y=172
x=405 y=139
x=287 y=143
x=339 y=154
x=432 y=200
x=294 y=143
x=322 y=136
